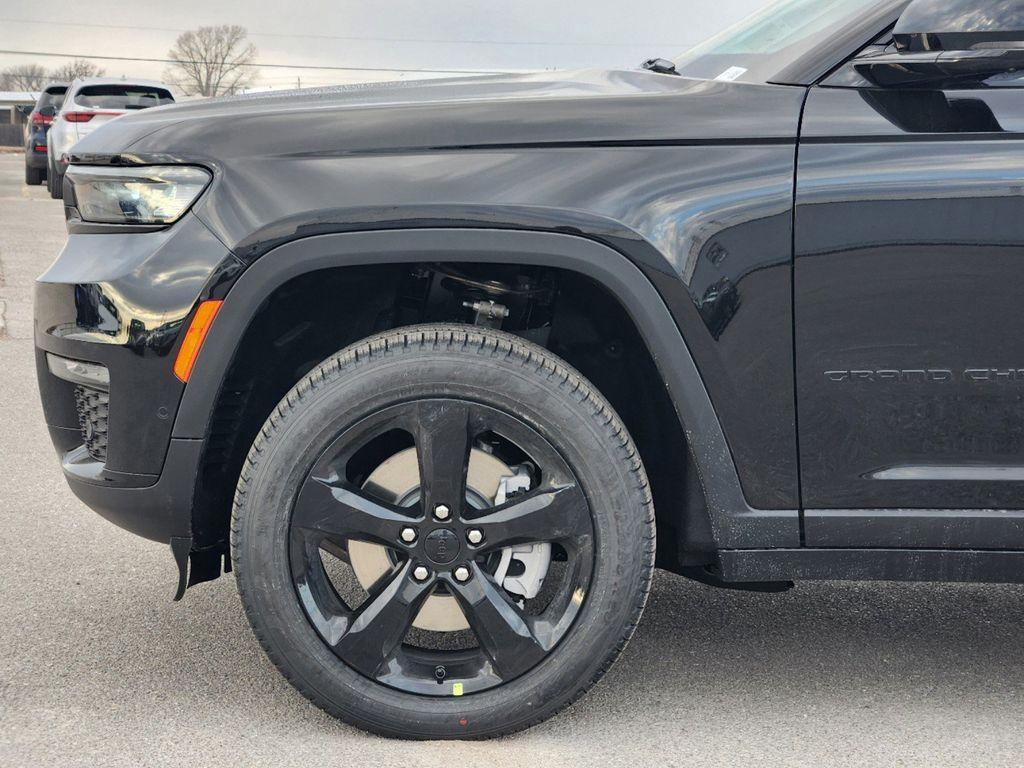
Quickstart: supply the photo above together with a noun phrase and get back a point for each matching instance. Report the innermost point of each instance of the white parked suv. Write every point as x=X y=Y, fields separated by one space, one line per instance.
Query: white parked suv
x=90 y=102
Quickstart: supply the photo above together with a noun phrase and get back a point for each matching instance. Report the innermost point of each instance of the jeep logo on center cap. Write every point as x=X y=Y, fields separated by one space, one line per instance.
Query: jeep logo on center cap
x=441 y=545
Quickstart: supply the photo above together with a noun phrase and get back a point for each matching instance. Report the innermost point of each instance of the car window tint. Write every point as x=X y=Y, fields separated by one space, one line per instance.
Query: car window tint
x=118 y=96
x=51 y=97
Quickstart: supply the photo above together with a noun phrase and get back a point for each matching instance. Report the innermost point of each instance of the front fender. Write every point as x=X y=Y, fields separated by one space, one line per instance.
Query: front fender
x=735 y=524
x=709 y=224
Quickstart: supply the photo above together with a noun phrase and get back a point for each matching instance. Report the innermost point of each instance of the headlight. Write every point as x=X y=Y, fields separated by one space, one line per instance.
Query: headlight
x=156 y=194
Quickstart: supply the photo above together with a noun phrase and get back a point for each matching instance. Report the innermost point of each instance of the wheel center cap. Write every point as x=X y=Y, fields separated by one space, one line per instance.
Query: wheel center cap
x=441 y=545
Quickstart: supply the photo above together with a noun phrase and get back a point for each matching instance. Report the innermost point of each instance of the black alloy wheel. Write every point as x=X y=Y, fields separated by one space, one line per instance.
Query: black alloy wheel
x=440 y=555
x=443 y=532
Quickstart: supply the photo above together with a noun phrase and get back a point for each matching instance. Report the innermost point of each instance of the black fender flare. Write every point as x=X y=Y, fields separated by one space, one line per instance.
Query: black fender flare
x=734 y=524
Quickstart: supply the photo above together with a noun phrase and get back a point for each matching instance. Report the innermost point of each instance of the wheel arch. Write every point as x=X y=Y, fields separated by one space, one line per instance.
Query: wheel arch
x=731 y=521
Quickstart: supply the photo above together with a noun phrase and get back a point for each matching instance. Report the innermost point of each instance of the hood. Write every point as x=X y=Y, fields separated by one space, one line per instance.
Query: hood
x=584 y=107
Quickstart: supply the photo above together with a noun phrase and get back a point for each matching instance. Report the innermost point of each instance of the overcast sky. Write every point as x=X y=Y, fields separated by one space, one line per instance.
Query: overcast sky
x=456 y=34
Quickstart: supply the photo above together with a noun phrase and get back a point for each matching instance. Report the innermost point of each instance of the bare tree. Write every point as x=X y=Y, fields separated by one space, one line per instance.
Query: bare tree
x=24 y=77
x=212 y=61
x=75 y=69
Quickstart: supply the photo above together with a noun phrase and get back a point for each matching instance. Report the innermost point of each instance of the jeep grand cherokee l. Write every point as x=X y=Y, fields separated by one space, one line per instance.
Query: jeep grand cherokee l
x=429 y=367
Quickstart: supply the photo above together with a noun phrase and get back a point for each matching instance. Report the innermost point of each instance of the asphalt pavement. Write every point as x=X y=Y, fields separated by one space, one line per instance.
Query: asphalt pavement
x=98 y=667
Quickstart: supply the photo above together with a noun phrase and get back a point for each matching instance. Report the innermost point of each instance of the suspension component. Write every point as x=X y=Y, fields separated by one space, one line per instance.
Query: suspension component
x=489 y=314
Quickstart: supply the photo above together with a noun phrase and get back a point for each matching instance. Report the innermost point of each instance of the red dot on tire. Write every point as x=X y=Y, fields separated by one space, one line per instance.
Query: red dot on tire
x=463 y=721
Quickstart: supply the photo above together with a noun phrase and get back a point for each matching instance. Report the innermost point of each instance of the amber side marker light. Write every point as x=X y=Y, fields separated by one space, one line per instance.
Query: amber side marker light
x=194 y=338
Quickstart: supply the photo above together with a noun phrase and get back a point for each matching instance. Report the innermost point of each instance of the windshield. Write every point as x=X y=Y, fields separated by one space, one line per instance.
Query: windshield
x=756 y=49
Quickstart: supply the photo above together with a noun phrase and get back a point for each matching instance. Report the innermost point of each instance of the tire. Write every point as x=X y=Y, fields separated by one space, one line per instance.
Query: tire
x=33 y=176
x=484 y=377
x=56 y=185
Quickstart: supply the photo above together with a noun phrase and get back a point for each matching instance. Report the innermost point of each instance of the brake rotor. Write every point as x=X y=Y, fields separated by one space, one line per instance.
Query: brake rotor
x=397 y=480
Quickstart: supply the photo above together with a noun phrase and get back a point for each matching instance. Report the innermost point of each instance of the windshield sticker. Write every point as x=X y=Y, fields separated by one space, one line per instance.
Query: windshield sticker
x=732 y=73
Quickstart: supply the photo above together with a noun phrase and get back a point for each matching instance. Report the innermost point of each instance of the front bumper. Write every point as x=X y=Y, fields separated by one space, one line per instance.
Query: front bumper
x=120 y=300
x=161 y=511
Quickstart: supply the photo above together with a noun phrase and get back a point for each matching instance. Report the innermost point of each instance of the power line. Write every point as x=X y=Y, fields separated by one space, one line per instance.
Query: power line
x=257 y=66
x=357 y=38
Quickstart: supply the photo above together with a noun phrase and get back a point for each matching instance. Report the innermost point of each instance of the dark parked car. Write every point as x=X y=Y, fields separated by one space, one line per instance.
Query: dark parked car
x=428 y=367
x=39 y=121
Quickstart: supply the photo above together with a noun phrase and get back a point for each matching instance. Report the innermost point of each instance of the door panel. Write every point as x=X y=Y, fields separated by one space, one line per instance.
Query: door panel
x=909 y=299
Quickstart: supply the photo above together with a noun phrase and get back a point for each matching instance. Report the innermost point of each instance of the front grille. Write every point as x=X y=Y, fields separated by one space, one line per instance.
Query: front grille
x=93 y=413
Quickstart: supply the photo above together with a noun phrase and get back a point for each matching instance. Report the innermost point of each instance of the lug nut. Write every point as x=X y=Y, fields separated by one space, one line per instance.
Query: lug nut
x=420 y=573
x=441 y=512
x=474 y=536
x=461 y=573
x=408 y=535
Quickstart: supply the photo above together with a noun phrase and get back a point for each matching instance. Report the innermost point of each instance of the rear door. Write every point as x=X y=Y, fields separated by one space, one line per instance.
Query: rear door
x=909 y=313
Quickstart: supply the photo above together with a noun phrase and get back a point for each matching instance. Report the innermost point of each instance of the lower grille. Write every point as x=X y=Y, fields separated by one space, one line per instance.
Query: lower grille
x=93 y=413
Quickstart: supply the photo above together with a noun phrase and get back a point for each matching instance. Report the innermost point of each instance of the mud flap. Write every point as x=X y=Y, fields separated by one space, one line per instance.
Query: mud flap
x=198 y=566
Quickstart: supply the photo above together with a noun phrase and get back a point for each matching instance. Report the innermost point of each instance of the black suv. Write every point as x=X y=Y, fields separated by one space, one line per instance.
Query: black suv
x=428 y=367
x=39 y=121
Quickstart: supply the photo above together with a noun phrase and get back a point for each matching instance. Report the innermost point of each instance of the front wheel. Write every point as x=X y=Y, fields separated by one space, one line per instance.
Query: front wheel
x=443 y=532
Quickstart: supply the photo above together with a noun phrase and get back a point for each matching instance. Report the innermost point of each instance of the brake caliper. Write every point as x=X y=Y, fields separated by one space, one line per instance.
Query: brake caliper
x=530 y=560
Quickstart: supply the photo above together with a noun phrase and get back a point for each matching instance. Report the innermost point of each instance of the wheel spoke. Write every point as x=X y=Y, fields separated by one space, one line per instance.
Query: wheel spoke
x=379 y=626
x=502 y=630
x=327 y=508
x=441 y=431
x=555 y=514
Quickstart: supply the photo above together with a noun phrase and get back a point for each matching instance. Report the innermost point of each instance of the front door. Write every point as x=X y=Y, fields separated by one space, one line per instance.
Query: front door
x=909 y=315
